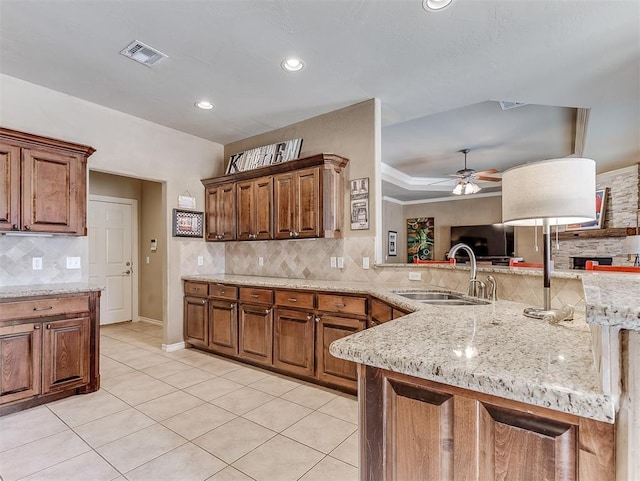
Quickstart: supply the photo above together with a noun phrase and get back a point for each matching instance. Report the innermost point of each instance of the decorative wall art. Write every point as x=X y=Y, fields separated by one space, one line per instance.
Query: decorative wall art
x=420 y=239
x=601 y=201
x=187 y=223
x=360 y=204
x=264 y=156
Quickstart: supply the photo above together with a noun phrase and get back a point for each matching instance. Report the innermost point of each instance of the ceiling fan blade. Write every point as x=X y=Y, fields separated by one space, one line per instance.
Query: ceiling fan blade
x=459 y=176
x=490 y=179
x=489 y=171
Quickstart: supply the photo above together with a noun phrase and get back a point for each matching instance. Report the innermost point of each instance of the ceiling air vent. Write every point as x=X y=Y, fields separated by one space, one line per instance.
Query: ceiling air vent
x=143 y=54
x=504 y=105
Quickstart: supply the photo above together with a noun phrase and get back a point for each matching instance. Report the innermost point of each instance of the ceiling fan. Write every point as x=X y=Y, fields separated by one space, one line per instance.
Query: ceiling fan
x=466 y=177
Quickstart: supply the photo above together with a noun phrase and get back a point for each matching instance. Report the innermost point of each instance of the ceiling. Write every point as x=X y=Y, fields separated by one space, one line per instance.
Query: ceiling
x=437 y=75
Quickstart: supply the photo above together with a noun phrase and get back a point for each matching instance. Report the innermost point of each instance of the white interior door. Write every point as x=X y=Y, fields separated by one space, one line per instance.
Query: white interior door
x=111 y=228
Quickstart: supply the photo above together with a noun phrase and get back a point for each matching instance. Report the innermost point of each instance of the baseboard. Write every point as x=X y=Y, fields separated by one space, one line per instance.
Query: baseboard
x=149 y=320
x=173 y=347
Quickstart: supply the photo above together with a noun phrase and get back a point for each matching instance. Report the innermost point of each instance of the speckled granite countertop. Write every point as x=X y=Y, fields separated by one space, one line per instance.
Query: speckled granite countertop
x=14 y=292
x=612 y=299
x=491 y=348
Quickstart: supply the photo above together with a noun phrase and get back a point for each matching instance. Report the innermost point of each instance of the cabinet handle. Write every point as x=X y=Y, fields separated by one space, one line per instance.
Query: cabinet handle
x=220 y=291
x=26 y=227
x=296 y=234
x=202 y=303
x=196 y=289
x=36 y=326
x=48 y=326
x=14 y=227
x=292 y=299
x=339 y=305
x=291 y=234
x=255 y=296
x=267 y=311
x=309 y=317
x=232 y=305
x=317 y=319
x=43 y=308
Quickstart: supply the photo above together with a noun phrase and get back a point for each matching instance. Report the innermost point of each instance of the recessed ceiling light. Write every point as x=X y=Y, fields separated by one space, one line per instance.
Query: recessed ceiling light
x=292 y=64
x=204 y=105
x=435 y=5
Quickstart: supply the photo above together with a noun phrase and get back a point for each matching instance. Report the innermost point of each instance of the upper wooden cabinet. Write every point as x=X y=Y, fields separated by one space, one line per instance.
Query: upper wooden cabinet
x=255 y=209
x=42 y=184
x=297 y=199
x=220 y=207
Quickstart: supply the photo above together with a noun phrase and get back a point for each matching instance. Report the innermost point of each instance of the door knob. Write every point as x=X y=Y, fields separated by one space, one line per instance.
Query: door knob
x=128 y=263
x=127 y=272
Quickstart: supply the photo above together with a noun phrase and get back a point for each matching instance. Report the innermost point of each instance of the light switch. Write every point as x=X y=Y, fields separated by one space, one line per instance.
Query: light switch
x=200 y=260
x=340 y=262
x=365 y=262
x=260 y=261
x=333 y=262
x=415 y=276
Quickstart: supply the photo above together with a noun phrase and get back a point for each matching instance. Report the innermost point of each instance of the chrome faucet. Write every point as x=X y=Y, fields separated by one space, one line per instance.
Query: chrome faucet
x=476 y=287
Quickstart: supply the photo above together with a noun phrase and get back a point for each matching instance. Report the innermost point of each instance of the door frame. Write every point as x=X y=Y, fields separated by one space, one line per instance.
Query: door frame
x=135 y=247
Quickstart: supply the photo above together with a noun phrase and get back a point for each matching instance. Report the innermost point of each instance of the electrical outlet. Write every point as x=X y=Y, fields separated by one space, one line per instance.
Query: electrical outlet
x=200 y=260
x=36 y=263
x=73 y=263
x=340 y=262
x=415 y=276
x=333 y=262
x=365 y=262
x=148 y=260
x=260 y=261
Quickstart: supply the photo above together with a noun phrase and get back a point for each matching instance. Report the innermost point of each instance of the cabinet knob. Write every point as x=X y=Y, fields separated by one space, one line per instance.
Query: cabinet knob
x=233 y=304
x=36 y=326
x=26 y=227
x=267 y=311
x=340 y=305
x=309 y=317
x=296 y=234
x=48 y=326
x=317 y=319
x=14 y=227
x=291 y=234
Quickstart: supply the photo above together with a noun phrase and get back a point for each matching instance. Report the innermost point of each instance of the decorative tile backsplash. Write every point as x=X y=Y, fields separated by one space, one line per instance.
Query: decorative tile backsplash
x=16 y=253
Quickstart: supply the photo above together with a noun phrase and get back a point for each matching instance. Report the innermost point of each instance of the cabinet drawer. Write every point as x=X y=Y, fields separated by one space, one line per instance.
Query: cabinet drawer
x=43 y=307
x=221 y=291
x=252 y=294
x=304 y=300
x=343 y=304
x=196 y=288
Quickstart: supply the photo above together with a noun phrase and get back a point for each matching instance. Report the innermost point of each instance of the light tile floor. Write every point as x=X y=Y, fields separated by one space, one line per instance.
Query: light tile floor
x=182 y=416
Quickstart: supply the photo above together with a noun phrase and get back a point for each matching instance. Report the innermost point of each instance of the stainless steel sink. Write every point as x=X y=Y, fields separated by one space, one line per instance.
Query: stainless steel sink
x=441 y=298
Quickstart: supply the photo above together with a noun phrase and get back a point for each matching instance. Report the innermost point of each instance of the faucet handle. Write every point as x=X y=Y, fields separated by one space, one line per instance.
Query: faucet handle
x=476 y=291
x=492 y=292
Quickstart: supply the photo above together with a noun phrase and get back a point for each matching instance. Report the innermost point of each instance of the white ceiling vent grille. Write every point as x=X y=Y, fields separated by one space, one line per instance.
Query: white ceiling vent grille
x=143 y=54
x=504 y=105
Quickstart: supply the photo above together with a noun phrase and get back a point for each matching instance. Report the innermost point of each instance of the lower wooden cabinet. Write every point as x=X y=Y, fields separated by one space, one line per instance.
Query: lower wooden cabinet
x=293 y=341
x=20 y=354
x=413 y=429
x=255 y=332
x=49 y=348
x=66 y=354
x=331 y=369
x=196 y=320
x=223 y=327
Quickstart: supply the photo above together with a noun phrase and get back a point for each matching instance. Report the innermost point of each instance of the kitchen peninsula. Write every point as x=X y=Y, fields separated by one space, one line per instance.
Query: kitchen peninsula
x=533 y=380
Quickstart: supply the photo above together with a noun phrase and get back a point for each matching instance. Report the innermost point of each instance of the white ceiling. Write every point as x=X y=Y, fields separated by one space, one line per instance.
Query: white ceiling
x=429 y=68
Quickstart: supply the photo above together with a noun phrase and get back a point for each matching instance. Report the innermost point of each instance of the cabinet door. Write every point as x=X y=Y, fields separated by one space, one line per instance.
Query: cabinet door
x=263 y=227
x=221 y=212
x=293 y=341
x=53 y=197
x=284 y=205
x=332 y=369
x=245 y=204
x=256 y=333
x=223 y=327
x=308 y=203
x=66 y=354
x=20 y=348
x=196 y=320
x=9 y=187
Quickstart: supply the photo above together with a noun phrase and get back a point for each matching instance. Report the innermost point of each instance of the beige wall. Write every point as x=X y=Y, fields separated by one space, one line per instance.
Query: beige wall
x=114 y=186
x=394 y=220
x=473 y=211
x=152 y=226
x=128 y=146
x=349 y=132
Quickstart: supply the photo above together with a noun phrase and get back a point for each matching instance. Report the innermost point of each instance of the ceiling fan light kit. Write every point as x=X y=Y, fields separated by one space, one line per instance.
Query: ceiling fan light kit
x=465 y=185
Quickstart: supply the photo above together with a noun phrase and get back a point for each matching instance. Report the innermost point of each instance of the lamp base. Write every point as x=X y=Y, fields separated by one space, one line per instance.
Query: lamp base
x=551 y=315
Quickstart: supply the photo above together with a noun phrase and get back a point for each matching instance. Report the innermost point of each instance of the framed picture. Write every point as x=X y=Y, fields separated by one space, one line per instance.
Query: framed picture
x=392 y=243
x=360 y=204
x=188 y=223
x=601 y=201
x=420 y=239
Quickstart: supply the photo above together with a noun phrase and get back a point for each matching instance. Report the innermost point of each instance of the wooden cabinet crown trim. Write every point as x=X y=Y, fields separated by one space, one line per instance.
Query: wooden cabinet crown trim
x=312 y=161
x=31 y=140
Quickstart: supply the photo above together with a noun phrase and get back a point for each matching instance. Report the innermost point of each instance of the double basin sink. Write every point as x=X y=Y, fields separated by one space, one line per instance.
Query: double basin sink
x=441 y=298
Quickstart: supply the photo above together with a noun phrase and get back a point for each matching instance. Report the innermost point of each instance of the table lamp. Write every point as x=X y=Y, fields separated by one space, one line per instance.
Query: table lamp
x=631 y=244
x=546 y=193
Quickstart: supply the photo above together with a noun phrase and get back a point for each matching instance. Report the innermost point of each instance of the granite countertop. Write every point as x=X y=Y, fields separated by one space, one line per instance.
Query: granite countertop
x=612 y=299
x=13 y=292
x=490 y=348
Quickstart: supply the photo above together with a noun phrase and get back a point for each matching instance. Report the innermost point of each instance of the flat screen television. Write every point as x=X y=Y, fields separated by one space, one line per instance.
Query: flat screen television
x=486 y=241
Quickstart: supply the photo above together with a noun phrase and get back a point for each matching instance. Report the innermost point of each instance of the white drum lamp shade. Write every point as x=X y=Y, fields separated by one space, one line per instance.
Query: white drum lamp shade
x=562 y=191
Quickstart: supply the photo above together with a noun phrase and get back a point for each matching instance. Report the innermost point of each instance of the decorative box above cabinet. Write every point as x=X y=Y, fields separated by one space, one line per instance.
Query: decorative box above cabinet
x=296 y=199
x=42 y=184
